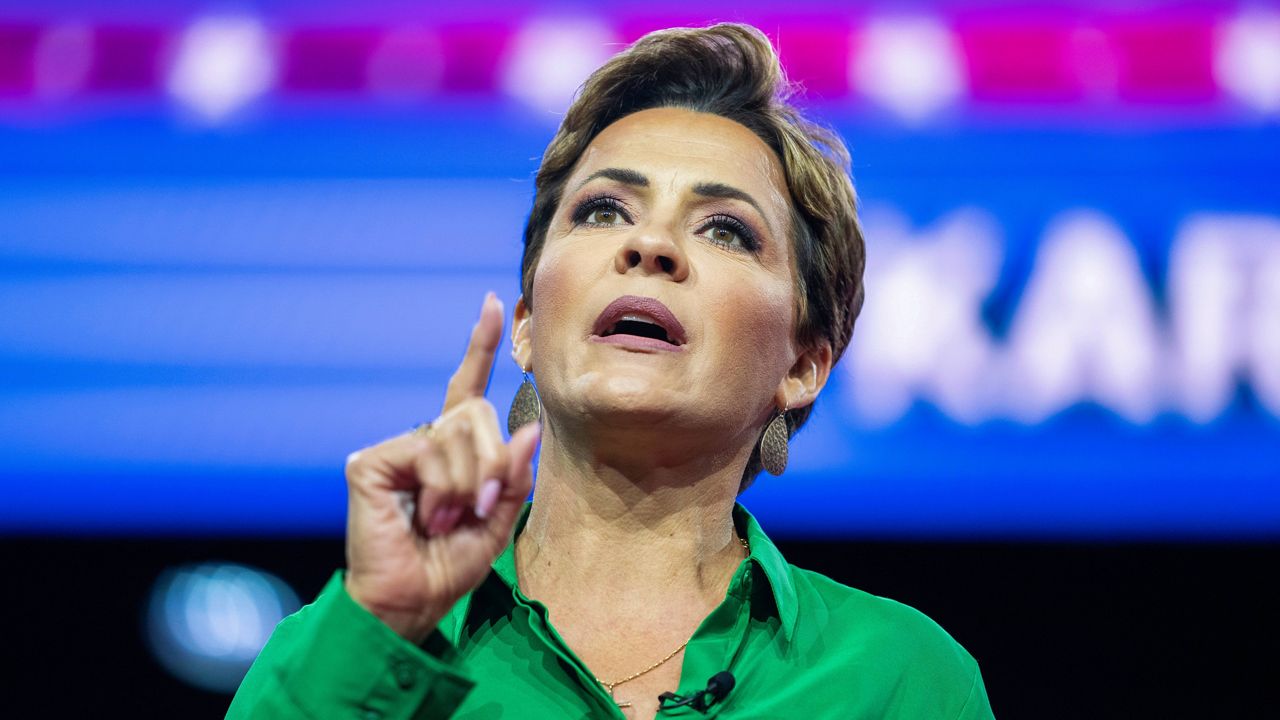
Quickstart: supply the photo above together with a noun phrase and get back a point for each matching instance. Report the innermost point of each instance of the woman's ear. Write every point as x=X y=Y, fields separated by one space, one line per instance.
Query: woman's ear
x=521 y=340
x=806 y=378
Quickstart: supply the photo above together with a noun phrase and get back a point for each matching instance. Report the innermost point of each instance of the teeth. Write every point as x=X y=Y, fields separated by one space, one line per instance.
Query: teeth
x=639 y=318
x=647 y=320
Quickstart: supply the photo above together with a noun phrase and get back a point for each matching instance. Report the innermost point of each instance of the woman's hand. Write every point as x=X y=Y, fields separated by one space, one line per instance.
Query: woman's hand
x=429 y=511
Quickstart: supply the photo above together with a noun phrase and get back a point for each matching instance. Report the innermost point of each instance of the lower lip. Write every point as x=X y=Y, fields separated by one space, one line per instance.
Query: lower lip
x=635 y=342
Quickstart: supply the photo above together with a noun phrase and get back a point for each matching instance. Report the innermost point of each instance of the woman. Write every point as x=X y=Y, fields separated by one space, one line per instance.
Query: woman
x=692 y=270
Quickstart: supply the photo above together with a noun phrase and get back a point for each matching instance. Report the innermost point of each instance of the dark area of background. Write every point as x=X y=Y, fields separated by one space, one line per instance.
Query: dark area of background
x=1061 y=630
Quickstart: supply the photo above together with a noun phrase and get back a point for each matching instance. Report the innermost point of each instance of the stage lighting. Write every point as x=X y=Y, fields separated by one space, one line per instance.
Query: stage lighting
x=206 y=623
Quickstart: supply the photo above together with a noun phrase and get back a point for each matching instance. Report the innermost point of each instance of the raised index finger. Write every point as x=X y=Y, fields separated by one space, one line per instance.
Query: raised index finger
x=472 y=376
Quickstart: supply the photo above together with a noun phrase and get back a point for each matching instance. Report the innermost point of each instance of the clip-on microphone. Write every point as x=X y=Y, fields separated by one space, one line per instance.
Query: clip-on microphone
x=717 y=688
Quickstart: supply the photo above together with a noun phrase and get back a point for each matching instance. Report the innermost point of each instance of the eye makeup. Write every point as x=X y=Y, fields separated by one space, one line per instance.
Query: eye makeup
x=746 y=235
x=747 y=238
x=592 y=203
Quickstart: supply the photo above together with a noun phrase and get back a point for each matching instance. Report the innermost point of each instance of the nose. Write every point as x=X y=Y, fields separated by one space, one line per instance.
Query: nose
x=652 y=252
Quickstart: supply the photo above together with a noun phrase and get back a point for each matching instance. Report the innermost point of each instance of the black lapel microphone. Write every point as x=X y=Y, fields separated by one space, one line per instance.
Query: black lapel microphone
x=717 y=688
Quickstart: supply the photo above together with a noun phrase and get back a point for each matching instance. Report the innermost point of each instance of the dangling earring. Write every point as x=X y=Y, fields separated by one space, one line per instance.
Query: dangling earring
x=525 y=408
x=773 y=445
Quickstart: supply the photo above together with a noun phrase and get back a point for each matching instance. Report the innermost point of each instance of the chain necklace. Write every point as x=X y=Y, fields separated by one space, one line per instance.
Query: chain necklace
x=609 y=686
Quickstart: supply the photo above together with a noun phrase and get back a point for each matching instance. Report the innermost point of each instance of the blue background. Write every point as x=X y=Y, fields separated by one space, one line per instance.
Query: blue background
x=198 y=324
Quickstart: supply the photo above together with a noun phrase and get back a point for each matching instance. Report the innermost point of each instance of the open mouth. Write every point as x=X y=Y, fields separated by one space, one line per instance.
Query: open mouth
x=643 y=318
x=639 y=326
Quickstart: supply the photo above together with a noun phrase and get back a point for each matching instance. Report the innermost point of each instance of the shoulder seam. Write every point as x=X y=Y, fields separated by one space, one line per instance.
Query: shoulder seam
x=973 y=687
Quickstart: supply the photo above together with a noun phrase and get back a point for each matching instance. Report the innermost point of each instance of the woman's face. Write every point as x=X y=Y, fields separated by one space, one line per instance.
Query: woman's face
x=690 y=210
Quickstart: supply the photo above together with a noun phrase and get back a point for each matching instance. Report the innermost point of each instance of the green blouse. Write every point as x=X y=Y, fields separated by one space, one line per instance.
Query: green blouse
x=799 y=645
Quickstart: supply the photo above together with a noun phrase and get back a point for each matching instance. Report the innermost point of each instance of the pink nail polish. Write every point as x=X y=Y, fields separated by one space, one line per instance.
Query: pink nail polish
x=487 y=497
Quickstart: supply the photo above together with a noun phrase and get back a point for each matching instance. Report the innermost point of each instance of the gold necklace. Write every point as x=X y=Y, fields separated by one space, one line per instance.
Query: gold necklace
x=609 y=686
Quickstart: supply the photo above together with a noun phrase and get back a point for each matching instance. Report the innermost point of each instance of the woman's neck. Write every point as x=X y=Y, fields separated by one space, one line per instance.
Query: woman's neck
x=606 y=526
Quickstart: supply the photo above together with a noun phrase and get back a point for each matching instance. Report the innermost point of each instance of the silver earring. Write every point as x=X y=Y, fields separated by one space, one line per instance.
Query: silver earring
x=525 y=408
x=773 y=445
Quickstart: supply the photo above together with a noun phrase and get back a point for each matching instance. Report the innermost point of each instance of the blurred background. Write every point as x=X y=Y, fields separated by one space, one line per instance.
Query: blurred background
x=1057 y=430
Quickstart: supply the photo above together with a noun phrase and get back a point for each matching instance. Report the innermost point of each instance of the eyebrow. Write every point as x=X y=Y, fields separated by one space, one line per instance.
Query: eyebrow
x=720 y=190
x=712 y=190
x=622 y=175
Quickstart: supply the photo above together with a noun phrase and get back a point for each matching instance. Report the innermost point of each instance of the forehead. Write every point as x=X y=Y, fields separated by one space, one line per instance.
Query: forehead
x=678 y=145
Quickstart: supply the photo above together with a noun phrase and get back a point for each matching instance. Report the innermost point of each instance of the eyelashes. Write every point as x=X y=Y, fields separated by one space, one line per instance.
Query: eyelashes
x=596 y=203
x=728 y=223
x=724 y=230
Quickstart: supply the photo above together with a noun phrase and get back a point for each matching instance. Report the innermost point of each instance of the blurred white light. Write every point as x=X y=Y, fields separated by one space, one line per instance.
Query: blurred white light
x=1247 y=59
x=913 y=66
x=63 y=58
x=1086 y=327
x=551 y=58
x=206 y=623
x=1224 y=293
x=222 y=63
x=406 y=65
x=920 y=334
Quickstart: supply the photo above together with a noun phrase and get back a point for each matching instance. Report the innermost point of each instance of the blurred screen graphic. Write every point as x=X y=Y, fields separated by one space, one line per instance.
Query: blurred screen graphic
x=238 y=245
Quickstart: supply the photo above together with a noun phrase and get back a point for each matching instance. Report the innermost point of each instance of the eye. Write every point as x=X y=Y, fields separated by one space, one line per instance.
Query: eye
x=729 y=232
x=721 y=235
x=604 y=216
x=600 y=211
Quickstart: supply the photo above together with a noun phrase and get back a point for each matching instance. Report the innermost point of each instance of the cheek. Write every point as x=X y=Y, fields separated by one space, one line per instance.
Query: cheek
x=757 y=319
x=553 y=295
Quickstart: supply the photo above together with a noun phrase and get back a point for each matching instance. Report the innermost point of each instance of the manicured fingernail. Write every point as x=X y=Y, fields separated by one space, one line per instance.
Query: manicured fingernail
x=487 y=497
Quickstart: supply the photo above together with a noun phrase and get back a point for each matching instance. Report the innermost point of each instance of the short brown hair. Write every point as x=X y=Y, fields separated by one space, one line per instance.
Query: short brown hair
x=730 y=70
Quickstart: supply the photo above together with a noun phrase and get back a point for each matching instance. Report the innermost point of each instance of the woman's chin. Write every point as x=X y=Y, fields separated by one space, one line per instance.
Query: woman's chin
x=630 y=403
x=631 y=411
x=634 y=403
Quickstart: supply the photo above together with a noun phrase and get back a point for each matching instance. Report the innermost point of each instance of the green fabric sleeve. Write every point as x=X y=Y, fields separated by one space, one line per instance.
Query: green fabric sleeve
x=334 y=659
x=976 y=706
